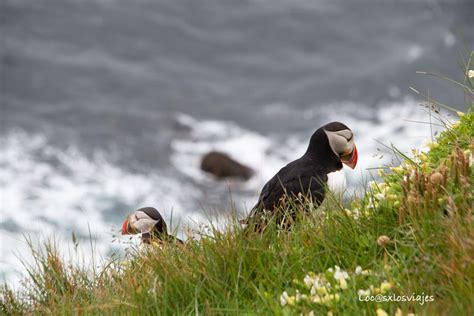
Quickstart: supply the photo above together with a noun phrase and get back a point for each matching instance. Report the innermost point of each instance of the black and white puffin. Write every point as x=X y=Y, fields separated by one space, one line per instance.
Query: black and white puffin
x=148 y=222
x=330 y=146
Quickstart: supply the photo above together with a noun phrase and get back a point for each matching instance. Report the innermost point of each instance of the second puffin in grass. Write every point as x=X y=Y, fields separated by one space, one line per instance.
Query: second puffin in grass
x=148 y=222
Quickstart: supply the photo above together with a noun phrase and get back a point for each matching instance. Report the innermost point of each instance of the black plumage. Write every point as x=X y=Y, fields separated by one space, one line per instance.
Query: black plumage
x=307 y=175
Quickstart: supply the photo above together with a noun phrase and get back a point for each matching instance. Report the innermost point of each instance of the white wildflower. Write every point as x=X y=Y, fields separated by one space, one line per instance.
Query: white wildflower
x=316 y=299
x=338 y=275
x=308 y=280
x=343 y=284
x=358 y=270
x=301 y=297
x=330 y=297
x=372 y=204
x=284 y=298
x=381 y=312
x=322 y=290
x=291 y=300
x=363 y=292
x=356 y=213
x=470 y=74
x=385 y=286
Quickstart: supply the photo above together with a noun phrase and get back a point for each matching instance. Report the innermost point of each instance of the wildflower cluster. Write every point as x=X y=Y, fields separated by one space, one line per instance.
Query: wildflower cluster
x=333 y=287
x=425 y=176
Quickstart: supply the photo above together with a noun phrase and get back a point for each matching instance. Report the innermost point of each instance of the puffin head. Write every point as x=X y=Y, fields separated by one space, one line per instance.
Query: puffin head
x=334 y=140
x=146 y=221
x=341 y=141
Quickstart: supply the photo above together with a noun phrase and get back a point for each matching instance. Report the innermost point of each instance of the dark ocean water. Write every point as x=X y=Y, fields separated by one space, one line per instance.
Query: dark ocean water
x=107 y=105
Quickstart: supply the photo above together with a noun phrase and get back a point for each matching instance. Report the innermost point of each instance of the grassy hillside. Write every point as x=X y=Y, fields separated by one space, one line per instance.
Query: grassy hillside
x=411 y=234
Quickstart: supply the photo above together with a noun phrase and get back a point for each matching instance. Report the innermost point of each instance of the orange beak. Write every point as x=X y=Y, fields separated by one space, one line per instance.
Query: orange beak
x=125 y=227
x=350 y=160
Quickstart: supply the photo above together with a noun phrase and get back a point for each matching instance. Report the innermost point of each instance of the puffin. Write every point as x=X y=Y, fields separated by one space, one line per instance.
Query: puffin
x=330 y=146
x=148 y=222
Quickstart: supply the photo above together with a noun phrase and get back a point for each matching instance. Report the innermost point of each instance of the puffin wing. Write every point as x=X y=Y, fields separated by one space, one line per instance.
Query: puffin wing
x=307 y=185
x=297 y=177
x=292 y=185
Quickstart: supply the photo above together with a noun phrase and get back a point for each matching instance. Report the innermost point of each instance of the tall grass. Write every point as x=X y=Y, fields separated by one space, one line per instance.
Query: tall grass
x=410 y=234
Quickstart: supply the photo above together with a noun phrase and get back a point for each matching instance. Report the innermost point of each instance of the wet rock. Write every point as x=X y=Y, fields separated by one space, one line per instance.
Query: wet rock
x=222 y=166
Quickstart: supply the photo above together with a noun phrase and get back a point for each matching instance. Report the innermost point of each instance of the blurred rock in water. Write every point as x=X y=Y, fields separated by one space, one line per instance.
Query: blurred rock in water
x=222 y=166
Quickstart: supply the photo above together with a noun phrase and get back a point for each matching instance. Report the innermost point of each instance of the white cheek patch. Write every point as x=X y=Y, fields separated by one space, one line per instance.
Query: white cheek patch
x=145 y=225
x=140 y=215
x=142 y=222
x=338 y=141
x=347 y=134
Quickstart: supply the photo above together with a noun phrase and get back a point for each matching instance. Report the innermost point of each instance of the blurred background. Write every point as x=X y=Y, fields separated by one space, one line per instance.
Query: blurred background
x=109 y=105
